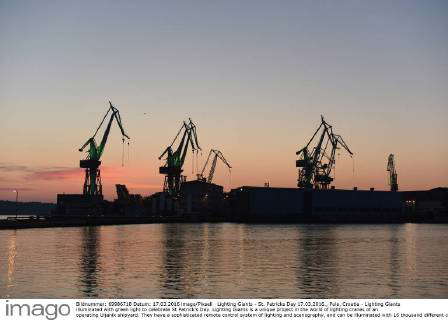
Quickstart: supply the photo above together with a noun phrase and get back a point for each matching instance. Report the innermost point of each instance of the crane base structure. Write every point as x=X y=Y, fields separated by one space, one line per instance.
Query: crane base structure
x=173 y=178
x=92 y=180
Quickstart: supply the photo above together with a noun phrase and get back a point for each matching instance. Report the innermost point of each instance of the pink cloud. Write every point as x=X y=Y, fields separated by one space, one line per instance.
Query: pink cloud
x=73 y=173
x=11 y=189
x=55 y=174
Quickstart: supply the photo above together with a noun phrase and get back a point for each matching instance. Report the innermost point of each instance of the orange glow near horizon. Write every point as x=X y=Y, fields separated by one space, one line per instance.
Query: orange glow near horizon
x=43 y=185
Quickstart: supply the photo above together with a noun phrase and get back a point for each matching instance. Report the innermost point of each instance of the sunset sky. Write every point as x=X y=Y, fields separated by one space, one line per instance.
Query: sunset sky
x=254 y=76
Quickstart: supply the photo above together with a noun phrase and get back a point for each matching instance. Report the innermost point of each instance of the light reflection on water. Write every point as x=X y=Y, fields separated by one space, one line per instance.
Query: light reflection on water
x=226 y=260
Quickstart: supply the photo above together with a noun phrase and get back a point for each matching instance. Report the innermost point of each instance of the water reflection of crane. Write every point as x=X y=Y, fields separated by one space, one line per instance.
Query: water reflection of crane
x=318 y=262
x=395 y=259
x=186 y=261
x=216 y=154
x=175 y=159
x=315 y=164
x=173 y=261
x=89 y=261
x=92 y=181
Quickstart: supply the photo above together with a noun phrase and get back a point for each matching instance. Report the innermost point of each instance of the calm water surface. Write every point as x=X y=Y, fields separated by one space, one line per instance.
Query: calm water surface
x=226 y=260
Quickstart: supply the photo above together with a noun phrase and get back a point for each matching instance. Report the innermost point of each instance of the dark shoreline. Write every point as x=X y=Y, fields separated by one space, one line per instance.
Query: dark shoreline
x=39 y=222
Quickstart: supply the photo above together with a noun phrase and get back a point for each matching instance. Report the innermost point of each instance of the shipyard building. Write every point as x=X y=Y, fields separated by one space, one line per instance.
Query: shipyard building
x=292 y=204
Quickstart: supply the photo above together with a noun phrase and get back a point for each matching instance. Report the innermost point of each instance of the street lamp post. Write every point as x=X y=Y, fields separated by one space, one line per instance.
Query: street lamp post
x=17 y=203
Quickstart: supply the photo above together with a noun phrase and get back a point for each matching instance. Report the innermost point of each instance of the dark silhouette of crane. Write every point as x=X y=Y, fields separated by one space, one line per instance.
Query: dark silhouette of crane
x=175 y=159
x=216 y=154
x=315 y=163
x=92 y=181
x=393 y=177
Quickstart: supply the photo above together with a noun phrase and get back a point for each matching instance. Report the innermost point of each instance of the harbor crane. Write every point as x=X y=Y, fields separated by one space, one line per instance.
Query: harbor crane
x=316 y=163
x=92 y=181
x=175 y=159
x=393 y=177
x=216 y=154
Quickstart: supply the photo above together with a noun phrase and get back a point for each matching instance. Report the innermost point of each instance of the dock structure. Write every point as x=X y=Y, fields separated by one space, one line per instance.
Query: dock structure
x=203 y=202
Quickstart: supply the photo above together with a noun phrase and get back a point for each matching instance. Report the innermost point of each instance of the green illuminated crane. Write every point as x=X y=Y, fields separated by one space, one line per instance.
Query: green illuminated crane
x=315 y=164
x=175 y=159
x=92 y=181
x=217 y=154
